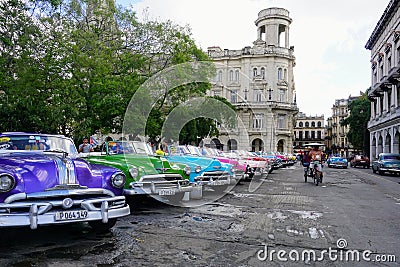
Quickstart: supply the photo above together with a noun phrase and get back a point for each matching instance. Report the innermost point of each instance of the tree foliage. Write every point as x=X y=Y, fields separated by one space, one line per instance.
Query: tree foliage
x=72 y=66
x=360 y=111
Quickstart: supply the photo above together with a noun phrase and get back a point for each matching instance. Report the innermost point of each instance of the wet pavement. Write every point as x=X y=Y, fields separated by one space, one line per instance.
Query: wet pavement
x=240 y=229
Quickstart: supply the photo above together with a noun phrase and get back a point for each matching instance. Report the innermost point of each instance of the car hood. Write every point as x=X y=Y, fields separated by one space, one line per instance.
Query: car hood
x=125 y=161
x=338 y=159
x=192 y=161
x=391 y=162
x=36 y=172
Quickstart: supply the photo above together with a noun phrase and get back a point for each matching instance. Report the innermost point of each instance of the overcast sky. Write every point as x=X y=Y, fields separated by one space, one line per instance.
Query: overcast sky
x=328 y=39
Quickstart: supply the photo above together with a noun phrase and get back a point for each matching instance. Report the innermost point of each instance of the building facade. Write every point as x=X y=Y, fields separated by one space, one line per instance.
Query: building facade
x=259 y=82
x=384 y=93
x=338 y=133
x=308 y=129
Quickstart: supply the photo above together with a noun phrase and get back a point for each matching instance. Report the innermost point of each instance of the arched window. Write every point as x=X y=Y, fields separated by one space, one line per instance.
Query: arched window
x=319 y=124
x=220 y=76
x=231 y=75
x=313 y=124
x=301 y=124
x=279 y=74
x=307 y=124
x=285 y=77
x=237 y=75
x=263 y=73
x=255 y=72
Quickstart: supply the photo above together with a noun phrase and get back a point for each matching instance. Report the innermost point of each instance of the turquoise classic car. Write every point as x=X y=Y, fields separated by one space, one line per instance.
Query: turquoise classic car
x=205 y=171
x=387 y=163
x=145 y=174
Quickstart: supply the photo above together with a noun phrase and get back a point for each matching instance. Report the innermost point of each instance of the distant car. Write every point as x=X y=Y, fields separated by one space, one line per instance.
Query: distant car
x=337 y=162
x=360 y=161
x=386 y=162
x=43 y=182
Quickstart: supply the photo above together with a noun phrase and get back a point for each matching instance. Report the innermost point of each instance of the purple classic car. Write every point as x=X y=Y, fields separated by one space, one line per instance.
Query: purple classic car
x=43 y=182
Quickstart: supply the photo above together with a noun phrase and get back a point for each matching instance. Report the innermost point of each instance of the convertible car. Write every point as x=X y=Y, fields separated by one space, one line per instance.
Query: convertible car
x=386 y=162
x=42 y=182
x=205 y=171
x=146 y=174
x=337 y=162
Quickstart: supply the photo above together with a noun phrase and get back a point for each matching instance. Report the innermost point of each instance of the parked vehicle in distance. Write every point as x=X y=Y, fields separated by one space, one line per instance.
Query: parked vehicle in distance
x=337 y=162
x=255 y=166
x=146 y=174
x=386 y=162
x=360 y=161
x=43 y=182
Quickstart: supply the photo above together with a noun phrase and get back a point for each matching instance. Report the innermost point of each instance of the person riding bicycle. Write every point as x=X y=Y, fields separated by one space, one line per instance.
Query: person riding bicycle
x=316 y=156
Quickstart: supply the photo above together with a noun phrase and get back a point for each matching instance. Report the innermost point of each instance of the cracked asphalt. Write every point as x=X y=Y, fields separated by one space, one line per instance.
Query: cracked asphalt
x=353 y=212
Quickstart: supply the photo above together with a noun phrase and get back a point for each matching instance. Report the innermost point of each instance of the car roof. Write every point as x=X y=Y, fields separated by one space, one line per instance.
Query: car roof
x=27 y=133
x=6 y=134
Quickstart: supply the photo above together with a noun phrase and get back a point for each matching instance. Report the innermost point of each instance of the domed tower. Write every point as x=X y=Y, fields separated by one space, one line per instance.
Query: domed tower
x=258 y=80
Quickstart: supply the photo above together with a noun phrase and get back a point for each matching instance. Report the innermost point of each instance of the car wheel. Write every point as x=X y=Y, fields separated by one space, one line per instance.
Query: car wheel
x=99 y=226
x=373 y=170
x=381 y=172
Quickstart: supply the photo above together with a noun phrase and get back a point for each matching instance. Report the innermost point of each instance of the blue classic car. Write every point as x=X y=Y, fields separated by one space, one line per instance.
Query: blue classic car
x=204 y=171
x=43 y=182
x=386 y=162
x=337 y=162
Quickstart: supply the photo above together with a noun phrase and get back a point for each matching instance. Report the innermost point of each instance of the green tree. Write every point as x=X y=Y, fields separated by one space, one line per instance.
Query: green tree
x=72 y=66
x=360 y=111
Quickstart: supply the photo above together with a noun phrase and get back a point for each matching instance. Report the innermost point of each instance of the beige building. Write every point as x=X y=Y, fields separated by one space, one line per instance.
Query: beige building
x=338 y=139
x=259 y=81
x=308 y=129
x=384 y=94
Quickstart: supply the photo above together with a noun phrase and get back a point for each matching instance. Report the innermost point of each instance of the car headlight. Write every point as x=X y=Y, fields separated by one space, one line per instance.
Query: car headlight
x=133 y=172
x=187 y=170
x=7 y=183
x=118 y=180
x=197 y=169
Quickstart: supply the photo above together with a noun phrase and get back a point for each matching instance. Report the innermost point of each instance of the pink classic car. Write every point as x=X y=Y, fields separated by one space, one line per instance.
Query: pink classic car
x=238 y=169
x=255 y=165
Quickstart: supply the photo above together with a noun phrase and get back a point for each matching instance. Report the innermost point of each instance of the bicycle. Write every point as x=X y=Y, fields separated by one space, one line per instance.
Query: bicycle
x=306 y=166
x=317 y=174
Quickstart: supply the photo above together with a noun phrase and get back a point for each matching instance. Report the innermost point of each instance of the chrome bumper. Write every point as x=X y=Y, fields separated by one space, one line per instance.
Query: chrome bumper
x=43 y=212
x=162 y=187
x=217 y=180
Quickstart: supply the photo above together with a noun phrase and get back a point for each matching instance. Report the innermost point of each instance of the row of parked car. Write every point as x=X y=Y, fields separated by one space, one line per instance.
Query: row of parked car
x=44 y=180
x=384 y=163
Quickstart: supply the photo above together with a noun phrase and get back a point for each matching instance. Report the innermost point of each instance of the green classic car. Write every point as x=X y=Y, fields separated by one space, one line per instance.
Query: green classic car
x=145 y=175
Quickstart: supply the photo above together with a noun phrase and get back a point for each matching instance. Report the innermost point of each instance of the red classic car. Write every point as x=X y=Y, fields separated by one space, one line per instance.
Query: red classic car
x=360 y=160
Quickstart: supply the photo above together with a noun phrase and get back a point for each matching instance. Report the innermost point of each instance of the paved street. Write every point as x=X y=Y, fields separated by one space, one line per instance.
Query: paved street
x=285 y=218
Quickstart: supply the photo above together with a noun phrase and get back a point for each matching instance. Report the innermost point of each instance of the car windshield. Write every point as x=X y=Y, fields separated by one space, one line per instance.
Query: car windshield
x=38 y=142
x=120 y=147
x=194 y=150
x=391 y=157
x=142 y=148
x=179 y=150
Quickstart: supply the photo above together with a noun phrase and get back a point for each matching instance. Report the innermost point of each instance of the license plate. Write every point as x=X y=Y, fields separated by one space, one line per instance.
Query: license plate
x=166 y=192
x=71 y=215
x=362 y=161
x=218 y=183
